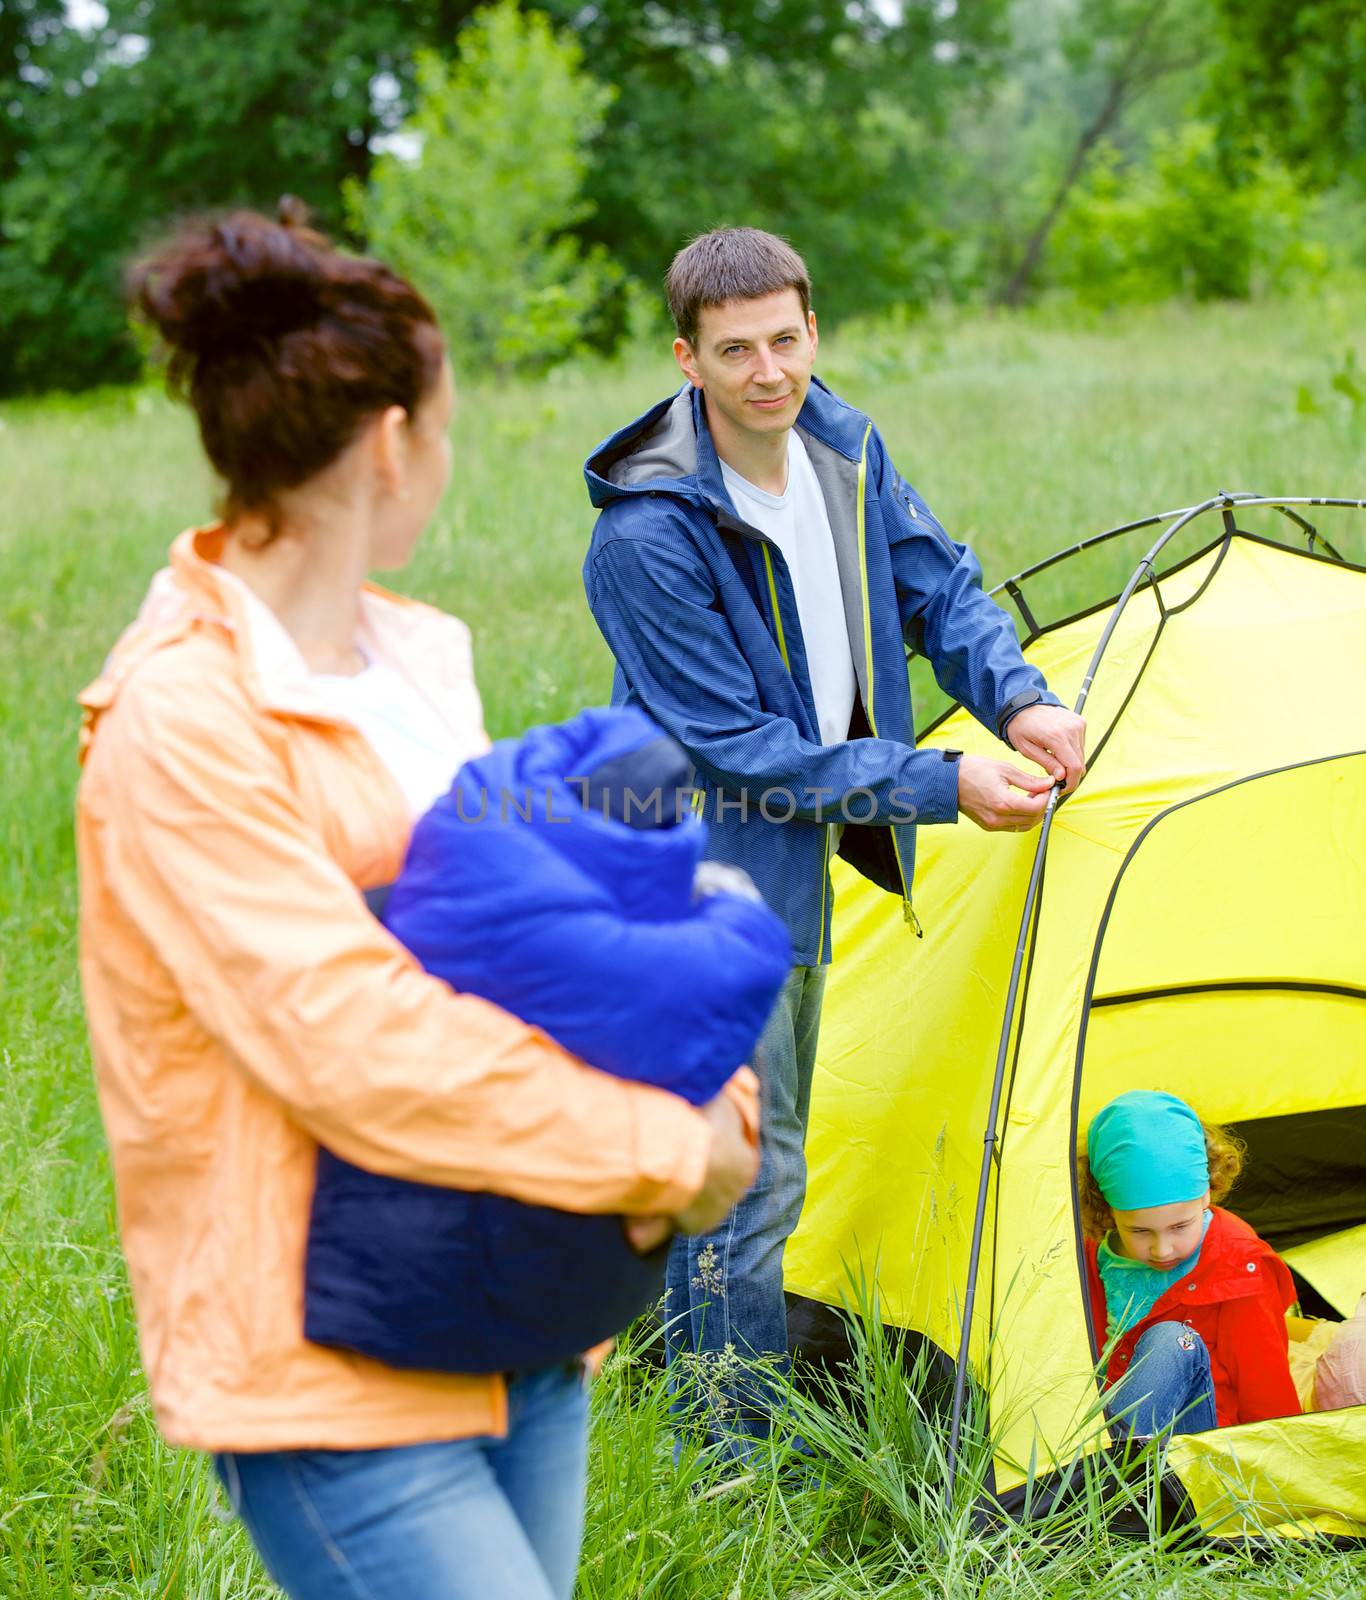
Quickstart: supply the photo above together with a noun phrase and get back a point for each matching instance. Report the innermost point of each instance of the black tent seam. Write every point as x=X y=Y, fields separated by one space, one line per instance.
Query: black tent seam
x=1083 y=546
x=1165 y=613
x=1180 y=805
x=1295 y=985
x=1339 y=562
x=1123 y=706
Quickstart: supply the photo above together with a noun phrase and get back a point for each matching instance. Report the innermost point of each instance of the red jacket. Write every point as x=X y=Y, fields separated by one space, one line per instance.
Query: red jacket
x=1235 y=1297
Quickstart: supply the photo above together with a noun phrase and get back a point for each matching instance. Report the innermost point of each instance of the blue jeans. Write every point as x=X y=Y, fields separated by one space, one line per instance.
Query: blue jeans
x=1168 y=1387
x=465 y=1519
x=725 y=1289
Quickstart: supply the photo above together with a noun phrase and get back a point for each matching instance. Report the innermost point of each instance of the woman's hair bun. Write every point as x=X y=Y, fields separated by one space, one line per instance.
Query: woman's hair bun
x=222 y=283
x=283 y=345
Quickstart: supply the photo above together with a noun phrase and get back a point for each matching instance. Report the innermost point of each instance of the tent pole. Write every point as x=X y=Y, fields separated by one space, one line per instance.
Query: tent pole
x=1239 y=498
x=990 y=1137
x=989 y=1143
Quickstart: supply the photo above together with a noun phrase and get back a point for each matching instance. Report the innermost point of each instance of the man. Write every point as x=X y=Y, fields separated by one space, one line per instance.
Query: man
x=758 y=567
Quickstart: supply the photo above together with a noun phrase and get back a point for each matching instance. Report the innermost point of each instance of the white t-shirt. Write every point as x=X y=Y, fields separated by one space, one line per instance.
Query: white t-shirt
x=797 y=522
x=404 y=730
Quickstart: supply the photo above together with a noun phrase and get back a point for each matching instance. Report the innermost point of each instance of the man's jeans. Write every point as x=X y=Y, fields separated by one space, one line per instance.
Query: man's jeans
x=465 y=1519
x=1168 y=1387
x=725 y=1301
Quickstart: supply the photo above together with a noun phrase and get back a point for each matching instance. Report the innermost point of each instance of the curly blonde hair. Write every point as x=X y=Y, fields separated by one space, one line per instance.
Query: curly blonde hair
x=1226 y=1152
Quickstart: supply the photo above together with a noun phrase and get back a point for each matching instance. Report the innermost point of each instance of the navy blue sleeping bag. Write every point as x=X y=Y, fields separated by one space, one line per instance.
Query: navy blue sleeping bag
x=557 y=878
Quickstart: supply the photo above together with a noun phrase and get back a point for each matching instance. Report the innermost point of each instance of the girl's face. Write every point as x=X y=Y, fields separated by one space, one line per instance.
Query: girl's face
x=1160 y=1236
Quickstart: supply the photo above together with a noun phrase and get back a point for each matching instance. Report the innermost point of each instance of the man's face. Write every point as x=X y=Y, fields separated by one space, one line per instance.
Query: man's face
x=752 y=359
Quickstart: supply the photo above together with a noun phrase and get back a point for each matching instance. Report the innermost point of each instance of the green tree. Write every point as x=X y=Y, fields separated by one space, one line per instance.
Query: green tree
x=1292 y=79
x=1180 y=225
x=32 y=34
x=1112 y=54
x=824 y=120
x=172 y=106
x=478 y=212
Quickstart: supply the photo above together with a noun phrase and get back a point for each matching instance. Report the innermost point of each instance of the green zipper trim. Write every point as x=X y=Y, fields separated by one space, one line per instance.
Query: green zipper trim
x=825 y=886
x=863 y=576
x=777 y=615
x=909 y=914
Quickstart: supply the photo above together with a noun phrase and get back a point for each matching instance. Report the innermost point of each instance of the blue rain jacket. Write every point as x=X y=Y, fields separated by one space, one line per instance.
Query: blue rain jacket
x=700 y=613
x=589 y=929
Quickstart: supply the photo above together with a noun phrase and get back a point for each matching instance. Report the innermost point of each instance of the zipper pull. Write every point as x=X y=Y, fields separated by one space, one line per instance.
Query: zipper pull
x=912 y=920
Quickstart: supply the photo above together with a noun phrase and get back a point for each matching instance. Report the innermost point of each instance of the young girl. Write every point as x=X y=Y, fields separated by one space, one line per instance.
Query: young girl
x=1187 y=1298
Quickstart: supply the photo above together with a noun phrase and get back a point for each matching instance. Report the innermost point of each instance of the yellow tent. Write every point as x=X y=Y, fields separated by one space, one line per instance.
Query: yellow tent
x=1199 y=925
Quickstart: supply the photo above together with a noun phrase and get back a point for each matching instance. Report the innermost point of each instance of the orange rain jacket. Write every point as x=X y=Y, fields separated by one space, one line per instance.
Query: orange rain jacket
x=244 y=1006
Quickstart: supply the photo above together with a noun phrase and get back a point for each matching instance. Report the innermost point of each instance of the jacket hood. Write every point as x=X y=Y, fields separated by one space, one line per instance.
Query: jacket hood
x=669 y=449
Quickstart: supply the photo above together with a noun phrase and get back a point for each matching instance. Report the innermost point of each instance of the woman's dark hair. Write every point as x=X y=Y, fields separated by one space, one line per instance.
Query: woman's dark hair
x=282 y=345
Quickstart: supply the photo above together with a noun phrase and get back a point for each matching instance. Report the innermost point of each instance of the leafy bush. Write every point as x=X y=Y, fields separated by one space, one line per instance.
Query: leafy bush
x=474 y=201
x=1181 y=226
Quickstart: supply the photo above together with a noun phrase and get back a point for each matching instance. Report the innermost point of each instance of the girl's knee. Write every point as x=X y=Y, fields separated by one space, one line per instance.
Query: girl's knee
x=1174 y=1339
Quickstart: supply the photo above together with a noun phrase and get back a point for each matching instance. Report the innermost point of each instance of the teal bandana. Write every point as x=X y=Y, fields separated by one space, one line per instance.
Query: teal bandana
x=1146 y=1149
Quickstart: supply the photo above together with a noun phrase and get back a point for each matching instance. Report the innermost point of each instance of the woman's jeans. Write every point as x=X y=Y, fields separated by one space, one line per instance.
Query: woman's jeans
x=1168 y=1388
x=725 y=1307
x=463 y=1519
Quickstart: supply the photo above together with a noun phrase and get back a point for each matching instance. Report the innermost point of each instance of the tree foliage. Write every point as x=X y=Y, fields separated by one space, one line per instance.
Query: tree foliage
x=32 y=34
x=1181 y=226
x=820 y=119
x=1127 y=46
x=176 y=105
x=910 y=149
x=478 y=212
x=1291 y=78
x=815 y=116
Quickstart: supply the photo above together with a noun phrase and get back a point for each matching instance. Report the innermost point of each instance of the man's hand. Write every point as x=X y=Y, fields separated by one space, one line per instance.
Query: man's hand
x=731 y=1167
x=999 y=797
x=1054 y=737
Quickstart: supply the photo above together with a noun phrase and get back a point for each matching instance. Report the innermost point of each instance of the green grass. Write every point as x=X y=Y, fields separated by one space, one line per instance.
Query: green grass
x=1024 y=434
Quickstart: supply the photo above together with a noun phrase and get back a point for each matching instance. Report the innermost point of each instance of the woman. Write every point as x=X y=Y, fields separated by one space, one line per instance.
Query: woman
x=255 y=752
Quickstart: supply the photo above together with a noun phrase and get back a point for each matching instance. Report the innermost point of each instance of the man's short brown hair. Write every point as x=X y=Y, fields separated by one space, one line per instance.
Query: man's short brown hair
x=731 y=264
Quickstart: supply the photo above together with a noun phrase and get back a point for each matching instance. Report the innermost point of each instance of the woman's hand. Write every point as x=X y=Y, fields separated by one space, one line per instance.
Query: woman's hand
x=732 y=1166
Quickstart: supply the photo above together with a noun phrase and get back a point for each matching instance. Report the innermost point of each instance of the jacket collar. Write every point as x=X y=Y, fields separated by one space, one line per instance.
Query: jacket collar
x=669 y=449
x=195 y=591
x=1232 y=1264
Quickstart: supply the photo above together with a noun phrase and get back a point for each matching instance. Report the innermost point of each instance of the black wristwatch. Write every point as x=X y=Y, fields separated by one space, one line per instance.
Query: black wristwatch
x=1017 y=702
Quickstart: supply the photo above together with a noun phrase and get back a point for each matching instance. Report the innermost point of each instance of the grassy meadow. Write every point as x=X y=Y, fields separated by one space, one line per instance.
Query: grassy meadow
x=1024 y=434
